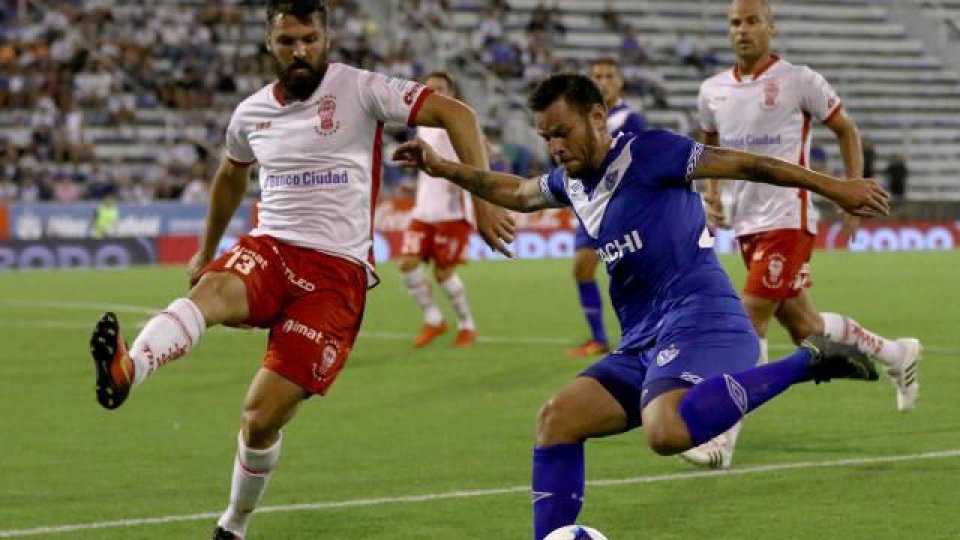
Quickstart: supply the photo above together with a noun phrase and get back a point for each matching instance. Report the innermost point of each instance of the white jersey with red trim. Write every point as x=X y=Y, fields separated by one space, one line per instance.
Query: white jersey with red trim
x=438 y=199
x=768 y=114
x=320 y=159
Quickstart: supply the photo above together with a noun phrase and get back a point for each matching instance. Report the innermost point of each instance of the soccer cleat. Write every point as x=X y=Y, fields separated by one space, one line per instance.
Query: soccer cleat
x=716 y=453
x=465 y=338
x=832 y=360
x=114 y=369
x=429 y=333
x=590 y=348
x=905 y=375
x=222 y=534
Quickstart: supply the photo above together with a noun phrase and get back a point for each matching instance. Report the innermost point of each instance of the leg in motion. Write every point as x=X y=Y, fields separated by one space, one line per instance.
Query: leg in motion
x=591 y=299
x=584 y=408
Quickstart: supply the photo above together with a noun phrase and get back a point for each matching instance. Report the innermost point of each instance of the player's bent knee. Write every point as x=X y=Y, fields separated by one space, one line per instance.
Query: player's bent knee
x=667 y=439
x=260 y=430
x=585 y=266
x=554 y=425
x=443 y=273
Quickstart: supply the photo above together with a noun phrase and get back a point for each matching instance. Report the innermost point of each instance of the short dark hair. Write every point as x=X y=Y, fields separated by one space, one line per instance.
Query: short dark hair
x=301 y=9
x=606 y=61
x=445 y=75
x=579 y=91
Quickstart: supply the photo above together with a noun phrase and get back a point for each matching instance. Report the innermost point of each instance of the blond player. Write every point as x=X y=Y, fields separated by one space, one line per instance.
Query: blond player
x=765 y=105
x=439 y=231
x=305 y=270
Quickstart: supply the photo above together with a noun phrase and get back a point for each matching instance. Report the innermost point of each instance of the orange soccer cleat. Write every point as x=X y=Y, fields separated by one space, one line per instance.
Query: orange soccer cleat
x=429 y=333
x=590 y=348
x=114 y=367
x=465 y=338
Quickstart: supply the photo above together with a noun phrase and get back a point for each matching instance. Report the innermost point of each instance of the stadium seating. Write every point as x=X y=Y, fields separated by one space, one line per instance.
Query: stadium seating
x=903 y=98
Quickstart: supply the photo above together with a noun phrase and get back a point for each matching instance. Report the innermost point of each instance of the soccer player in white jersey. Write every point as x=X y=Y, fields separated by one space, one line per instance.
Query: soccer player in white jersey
x=305 y=270
x=439 y=231
x=765 y=105
x=605 y=73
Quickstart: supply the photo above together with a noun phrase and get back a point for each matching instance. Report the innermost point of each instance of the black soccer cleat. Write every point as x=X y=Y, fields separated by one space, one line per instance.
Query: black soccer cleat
x=837 y=361
x=110 y=357
x=222 y=534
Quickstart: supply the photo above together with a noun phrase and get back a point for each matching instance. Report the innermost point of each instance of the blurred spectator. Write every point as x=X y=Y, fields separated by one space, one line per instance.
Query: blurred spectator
x=897 y=176
x=646 y=81
x=491 y=28
x=686 y=52
x=611 y=17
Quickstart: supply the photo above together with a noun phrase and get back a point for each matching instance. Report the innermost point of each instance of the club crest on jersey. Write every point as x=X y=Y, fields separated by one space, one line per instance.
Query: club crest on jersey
x=771 y=93
x=328 y=107
x=610 y=179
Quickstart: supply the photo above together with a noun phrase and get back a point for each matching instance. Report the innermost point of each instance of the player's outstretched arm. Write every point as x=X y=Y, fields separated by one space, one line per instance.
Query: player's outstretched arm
x=859 y=197
x=506 y=190
x=229 y=186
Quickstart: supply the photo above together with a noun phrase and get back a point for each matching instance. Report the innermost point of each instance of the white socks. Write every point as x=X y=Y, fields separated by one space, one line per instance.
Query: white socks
x=764 y=351
x=166 y=337
x=251 y=471
x=419 y=289
x=845 y=330
x=457 y=294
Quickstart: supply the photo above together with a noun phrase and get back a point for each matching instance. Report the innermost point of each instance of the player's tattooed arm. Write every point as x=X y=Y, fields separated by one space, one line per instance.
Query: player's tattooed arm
x=859 y=197
x=506 y=190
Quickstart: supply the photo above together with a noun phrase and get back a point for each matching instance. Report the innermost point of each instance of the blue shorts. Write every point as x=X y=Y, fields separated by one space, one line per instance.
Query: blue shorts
x=582 y=240
x=679 y=359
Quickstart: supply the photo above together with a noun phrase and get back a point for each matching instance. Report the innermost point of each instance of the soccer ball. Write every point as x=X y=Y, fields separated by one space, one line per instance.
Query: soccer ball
x=575 y=532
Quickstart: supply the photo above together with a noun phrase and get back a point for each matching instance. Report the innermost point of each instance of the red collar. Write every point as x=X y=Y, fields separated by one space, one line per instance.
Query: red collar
x=738 y=75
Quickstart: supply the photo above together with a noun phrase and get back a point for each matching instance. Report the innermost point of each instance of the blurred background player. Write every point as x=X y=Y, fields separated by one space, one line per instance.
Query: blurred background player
x=304 y=271
x=605 y=73
x=439 y=231
x=764 y=104
x=685 y=368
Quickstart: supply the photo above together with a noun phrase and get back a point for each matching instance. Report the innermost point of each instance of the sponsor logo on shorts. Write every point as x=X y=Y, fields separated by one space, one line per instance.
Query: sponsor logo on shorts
x=773 y=279
x=307 y=179
x=692 y=378
x=293 y=326
x=298 y=281
x=667 y=355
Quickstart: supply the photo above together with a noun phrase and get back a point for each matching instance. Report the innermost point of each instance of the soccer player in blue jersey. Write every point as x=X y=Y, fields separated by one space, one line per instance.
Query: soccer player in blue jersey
x=605 y=73
x=685 y=365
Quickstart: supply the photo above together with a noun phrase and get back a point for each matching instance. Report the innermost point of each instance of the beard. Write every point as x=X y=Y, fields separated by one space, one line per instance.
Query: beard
x=300 y=79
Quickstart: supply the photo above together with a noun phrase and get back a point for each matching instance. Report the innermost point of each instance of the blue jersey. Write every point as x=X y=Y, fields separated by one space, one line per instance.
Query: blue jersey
x=649 y=228
x=620 y=119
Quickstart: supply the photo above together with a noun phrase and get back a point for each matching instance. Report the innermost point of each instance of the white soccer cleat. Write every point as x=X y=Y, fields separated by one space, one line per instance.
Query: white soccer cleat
x=716 y=453
x=905 y=374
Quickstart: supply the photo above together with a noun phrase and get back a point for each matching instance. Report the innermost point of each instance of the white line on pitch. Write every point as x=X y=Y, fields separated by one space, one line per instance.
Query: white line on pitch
x=467 y=494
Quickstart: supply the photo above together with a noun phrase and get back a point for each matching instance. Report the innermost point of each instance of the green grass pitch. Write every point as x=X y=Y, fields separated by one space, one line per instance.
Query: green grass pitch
x=401 y=423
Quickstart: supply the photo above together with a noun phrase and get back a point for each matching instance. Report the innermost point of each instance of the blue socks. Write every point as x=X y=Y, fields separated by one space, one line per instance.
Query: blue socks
x=716 y=404
x=592 y=305
x=558 y=484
